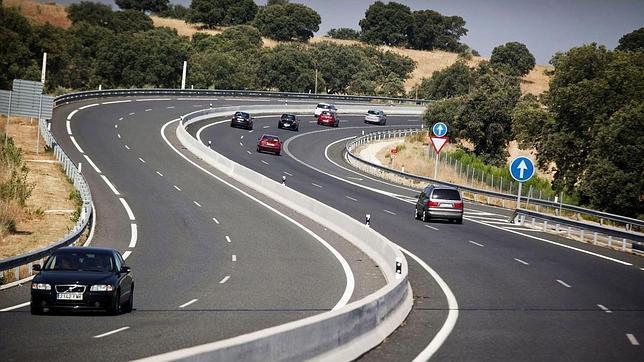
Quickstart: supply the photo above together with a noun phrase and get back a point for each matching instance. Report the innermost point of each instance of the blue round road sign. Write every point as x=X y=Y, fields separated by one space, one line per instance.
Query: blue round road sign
x=439 y=129
x=522 y=169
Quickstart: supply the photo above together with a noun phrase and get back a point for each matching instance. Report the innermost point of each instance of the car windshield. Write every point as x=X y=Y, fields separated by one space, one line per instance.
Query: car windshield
x=446 y=194
x=242 y=115
x=80 y=261
x=288 y=117
x=324 y=106
x=374 y=112
x=270 y=138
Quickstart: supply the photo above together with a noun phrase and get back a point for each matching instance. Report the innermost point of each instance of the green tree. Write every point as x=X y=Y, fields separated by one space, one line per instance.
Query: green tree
x=386 y=24
x=633 y=41
x=456 y=80
x=132 y=21
x=58 y=44
x=92 y=13
x=87 y=38
x=344 y=33
x=154 y=6
x=431 y=29
x=513 y=58
x=175 y=11
x=392 y=86
x=222 y=12
x=531 y=122
x=288 y=22
x=288 y=68
x=276 y=2
x=16 y=37
x=215 y=70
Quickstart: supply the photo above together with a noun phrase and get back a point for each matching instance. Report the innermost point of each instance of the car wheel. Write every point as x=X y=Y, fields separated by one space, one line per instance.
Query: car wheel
x=258 y=150
x=459 y=220
x=278 y=153
x=425 y=216
x=36 y=310
x=384 y=122
x=297 y=128
x=336 y=124
x=130 y=303
x=416 y=214
x=115 y=308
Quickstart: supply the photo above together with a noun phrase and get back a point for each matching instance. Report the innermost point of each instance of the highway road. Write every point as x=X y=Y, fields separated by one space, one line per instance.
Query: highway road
x=521 y=294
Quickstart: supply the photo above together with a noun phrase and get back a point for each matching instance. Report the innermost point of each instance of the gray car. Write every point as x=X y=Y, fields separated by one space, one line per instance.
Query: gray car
x=376 y=116
x=439 y=202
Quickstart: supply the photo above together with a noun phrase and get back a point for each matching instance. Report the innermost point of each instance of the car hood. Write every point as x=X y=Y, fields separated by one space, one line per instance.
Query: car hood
x=73 y=277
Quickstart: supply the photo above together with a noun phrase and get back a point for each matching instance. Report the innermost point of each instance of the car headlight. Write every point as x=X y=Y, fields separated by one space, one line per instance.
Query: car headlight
x=40 y=286
x=101 y=288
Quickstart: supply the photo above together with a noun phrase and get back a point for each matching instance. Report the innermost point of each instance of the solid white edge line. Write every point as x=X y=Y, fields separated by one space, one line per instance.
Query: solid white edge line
x=72 y=114
x=130 y=214
x=134 y=236
x=89 y=160
x=15 y=307
x=76 y=144
x=111 y=332
x=116 y=102
x=126 y=254
x=475 y=243
x=632 y=339
x=88 y=106
x=69 y=127
x=109 y=184
x=228 y=239
x=225 y=279
x=93 y=229
x=563 y=283
x=522 y=262
x=153 y=99
x=350 y=281
x=188 y=303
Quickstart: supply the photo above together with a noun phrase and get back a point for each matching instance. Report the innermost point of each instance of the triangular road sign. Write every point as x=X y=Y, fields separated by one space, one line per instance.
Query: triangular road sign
x=439 y=142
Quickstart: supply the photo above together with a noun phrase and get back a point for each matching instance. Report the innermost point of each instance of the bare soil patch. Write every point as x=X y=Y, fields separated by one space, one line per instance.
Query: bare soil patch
x=41 y=13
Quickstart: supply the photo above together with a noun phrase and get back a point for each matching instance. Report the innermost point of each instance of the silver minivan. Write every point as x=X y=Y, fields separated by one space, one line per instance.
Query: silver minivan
x=439 y=202
x=376 y=116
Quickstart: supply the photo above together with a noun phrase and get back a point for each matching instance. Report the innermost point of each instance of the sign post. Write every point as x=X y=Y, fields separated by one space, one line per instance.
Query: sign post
x=521 y=169
x=440 y=130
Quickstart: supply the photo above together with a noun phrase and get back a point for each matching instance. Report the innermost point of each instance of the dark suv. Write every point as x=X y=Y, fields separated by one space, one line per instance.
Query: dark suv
x=242 y=119
x=440 y=202
x=288 y=120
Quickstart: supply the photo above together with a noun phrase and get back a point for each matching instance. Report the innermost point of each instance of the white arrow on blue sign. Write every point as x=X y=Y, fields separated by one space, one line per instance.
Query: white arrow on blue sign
x=522 y=169
x=439 y=129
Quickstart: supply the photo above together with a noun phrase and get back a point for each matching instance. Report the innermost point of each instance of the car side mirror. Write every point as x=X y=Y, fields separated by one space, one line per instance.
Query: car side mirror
x=125 y=269
x=36 y=267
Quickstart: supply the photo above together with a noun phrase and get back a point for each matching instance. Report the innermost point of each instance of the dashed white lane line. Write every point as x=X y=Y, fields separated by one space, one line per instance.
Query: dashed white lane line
x=215 y=220
x=142 y=160
x=431 y=227
x=288 y=174
x=120 y=119
x=148 y=110
x=264 y=162
x=111 y=332
x=234 y=257
x=69 y=127
x=89 y=160
x=130 y=214
x=522 y=262
x=241 y=144
x=116 y=126
x=563 y=283
x=316 y=185
x=228 y=238
x=632 y=339
x=197 y=105
x=134 y=235
x=475 y=243
x=159 y=173
x=251 y=131
x=355 y=178
x=76 y=144
x=110 y=185
x=250 y=153
x=351 y=198
x=196 y=203
x=15 y=307
x=176 y=187
x=266 y=127
x=118 y=135
x=126 y=254
x=72 y=114
x=116 y=102
x=389 y=212
x=127 y=147
x=132 y=113
x=169 y=107
x=225 y=279
x=188 y=303
x=604 y=308
x=153 y=99
x=88 y=106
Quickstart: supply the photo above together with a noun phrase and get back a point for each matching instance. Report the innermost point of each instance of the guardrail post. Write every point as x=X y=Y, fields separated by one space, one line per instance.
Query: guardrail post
x=623 y=244
x=581 y=234
x=532 y=222
x=29 y=269
x=568 y=233
x=16 y=273
x=610 y=241
x=595 y=238
x=557 y=228
x=545 y=225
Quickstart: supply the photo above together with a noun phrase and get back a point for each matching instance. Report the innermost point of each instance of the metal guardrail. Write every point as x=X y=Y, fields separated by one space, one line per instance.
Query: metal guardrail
x=71 y=97
x=86 y=212
x=628 y=222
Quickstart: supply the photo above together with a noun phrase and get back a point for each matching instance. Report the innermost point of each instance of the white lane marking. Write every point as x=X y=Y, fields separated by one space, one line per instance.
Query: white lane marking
x=431 y=227
x=242 y=137
x=148 y=110
x=197 y=105
x=126 y=254
x=522 y=262
x=188 y=303
x=127 y=147
x=225 y=279
x=176 y=187
x=642 y=269
x=132 y=113
x=264 y=162
x=72 y=114
x=134 y=236
x=120 y=119
x=316 y=185
x=69 y=127
x=76 y=144
x=288 y=174
x=241 y=144
x=15 y=307
x=169 y=107
x=475 y=243
x=110 y=185
x=632 y=339
x=602 y=307
x=250 y=153
x=251 y=131
x=153 y=99
x=142 y=160
x=355 y=178
x=228 y=239
x=563 y=283
x=196 y=203
x=130 y=214
x=523 y=229
x=116 y=126
x=159 y=173
x=115 y=102
x=412 y=120
x=234 y=257
x=484 y=218
x=88 y=106
x=215 y=220
x=92 y=164
x=266 y=127
x=111 y=332
x=350 y=280
x=389 y=212
x=351 y=198
x=118 y=135
x=312 y=121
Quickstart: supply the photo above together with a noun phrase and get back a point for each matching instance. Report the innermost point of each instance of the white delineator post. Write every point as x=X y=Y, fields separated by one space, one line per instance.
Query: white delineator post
x=183 y=76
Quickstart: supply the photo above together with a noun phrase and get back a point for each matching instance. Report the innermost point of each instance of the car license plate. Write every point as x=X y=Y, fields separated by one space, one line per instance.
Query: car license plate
x=447 y=205
x=70 y=296
x=270 y=144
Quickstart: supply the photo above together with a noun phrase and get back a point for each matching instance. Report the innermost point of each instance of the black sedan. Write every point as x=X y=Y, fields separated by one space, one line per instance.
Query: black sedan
x=77 y=278
x=289 y=121
x=242 y=119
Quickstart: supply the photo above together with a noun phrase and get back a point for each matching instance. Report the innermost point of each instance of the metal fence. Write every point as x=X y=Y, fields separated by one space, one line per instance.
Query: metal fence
x=17 y=267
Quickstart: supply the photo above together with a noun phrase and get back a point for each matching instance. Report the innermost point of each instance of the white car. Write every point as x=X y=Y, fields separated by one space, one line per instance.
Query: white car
x=321 y=107
x=376 y=116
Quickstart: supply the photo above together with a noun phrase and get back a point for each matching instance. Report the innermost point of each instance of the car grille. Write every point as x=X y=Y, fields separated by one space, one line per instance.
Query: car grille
x=70 y=288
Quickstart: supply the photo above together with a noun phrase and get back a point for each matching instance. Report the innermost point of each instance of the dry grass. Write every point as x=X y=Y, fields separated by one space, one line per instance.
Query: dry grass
x=41 y=13
x=50 y=194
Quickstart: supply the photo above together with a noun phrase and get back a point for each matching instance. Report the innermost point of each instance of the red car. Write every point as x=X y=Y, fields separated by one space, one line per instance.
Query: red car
x=269 y=143
x=328 y=119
